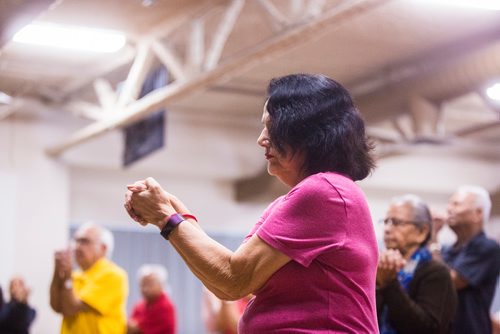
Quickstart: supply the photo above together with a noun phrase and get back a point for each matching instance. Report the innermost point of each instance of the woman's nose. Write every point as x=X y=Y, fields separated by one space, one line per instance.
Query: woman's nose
x=263 y=140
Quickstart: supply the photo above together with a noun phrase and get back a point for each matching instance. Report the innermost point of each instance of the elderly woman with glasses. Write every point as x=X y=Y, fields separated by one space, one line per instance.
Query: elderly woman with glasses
x=415 y=293
x=311 y=259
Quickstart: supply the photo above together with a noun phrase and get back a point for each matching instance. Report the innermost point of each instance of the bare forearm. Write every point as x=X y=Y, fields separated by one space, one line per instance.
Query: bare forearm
x=215 y=290
x=209 y=261
x=55 y=296
x=62 y=299
x=70 y=304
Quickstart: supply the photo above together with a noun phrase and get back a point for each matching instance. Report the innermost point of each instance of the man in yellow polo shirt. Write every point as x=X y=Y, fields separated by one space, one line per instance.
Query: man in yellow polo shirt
x=93 y=299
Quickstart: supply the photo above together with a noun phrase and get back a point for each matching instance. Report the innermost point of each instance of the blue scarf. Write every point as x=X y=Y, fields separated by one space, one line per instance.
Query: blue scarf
x=405 y=276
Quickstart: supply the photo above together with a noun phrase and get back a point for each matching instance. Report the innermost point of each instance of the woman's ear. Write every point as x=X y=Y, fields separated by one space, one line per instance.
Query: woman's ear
x=104 y=249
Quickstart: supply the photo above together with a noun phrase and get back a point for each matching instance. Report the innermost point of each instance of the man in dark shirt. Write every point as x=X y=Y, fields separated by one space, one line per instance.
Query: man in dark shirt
x=16 y=316
x=474 y=260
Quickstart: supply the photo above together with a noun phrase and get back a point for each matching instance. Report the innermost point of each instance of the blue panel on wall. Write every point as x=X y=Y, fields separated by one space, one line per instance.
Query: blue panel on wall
x=135 y=247
x=147 y=135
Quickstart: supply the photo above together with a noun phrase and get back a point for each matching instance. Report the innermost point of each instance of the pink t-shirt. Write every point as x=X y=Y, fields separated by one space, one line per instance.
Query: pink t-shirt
x=324 y=225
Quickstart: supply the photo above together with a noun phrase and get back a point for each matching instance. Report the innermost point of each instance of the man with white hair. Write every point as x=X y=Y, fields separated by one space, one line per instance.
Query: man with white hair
x=155 y=314
x=474 y=259
x=91 y=300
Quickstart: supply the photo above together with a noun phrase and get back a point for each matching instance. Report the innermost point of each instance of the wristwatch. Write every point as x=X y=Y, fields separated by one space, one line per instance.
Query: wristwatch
x=172 y=222
x=68 y=284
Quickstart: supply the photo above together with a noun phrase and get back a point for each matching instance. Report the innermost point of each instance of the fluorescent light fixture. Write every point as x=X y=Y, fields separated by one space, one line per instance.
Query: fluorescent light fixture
x=479 y=4
x=71 y=37
x=5 y=98
x=493 y=92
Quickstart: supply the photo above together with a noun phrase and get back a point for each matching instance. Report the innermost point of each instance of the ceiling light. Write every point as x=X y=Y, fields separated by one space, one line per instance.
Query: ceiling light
x=5 y=98
x=479 y=4
x=493 y=92
x=71 y=37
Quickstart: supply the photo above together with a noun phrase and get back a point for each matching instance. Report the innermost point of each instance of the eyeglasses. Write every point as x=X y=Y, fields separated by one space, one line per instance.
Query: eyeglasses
x=399 y=222
x=82 y=241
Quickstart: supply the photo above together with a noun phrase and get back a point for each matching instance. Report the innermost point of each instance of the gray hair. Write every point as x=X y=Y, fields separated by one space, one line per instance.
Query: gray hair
x=421 y=212
x=482 y=199
x=105 y=236
x=157 y=270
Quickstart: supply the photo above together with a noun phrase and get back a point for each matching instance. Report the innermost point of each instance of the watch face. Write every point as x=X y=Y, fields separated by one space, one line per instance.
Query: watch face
x=173 y=221
x=176 y=219
x=68 y=284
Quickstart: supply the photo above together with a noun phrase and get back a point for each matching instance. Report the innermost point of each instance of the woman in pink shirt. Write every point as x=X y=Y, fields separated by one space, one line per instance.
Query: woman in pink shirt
x=310 y=260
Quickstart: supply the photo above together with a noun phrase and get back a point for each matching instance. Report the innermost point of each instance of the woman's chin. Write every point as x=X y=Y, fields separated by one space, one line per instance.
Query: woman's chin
x=270 y=169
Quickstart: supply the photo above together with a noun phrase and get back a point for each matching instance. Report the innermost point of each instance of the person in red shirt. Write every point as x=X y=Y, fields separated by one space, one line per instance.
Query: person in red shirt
x=155 y=314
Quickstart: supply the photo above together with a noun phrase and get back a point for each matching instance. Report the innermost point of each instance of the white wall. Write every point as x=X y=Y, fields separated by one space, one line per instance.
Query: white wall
x=98 y=194
x=34 y=196
x=202 y=156
x=8 y=195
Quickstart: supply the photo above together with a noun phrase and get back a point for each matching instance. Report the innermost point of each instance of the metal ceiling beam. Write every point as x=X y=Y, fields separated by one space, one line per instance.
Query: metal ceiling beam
x=271 y=48
x=447 y=73
x=470 y=130
x=127 y=56
x=223 y=31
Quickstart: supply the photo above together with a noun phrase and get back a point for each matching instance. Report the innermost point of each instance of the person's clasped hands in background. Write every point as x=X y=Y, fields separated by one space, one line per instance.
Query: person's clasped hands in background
x=91 y=299
x=16 y=315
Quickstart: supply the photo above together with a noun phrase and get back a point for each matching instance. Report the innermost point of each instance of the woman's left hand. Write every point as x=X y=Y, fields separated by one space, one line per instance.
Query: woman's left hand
x=147 y=203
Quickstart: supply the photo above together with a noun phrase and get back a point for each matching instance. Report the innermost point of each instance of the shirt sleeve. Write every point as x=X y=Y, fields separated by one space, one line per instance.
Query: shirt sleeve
x=18 y=317
x=134 y=315
x=105 y=293
x=479 y=263
x=310 y=219
x=263 y=218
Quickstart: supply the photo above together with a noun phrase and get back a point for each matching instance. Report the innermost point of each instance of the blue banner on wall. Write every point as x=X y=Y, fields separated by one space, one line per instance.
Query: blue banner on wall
x=146 y=136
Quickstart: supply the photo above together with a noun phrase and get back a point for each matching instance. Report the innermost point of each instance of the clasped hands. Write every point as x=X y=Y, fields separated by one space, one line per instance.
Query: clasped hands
x=63 y=264
x=147 y=203
x=390 y=263
x=19 y=291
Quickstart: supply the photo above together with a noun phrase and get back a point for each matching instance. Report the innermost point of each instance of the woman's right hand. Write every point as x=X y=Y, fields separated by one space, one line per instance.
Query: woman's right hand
x=63 y=264
x=147 y=203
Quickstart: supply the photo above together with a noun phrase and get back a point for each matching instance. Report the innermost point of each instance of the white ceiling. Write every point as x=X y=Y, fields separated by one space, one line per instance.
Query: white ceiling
x=417 y=72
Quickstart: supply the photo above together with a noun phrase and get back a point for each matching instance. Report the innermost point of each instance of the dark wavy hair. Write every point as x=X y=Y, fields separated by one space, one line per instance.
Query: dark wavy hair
x=315 y=115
